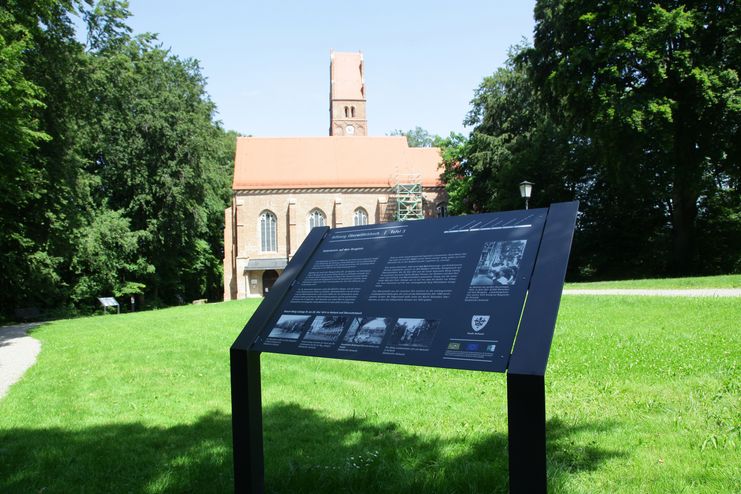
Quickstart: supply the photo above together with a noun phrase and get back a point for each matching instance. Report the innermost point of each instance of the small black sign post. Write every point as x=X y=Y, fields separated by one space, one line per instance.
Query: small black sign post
x=478 y=292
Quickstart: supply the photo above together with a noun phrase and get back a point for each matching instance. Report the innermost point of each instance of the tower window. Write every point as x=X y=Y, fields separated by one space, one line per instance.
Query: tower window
x=347 y=112
x=352 y=111
x=317 y=218
x=268 y=236
x=360 y=217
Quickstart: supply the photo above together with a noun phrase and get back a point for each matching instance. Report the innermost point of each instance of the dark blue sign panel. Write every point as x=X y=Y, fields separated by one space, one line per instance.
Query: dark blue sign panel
x=446 y=292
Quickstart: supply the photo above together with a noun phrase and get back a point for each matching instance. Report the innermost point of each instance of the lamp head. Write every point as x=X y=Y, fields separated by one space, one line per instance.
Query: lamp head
x=526 y=188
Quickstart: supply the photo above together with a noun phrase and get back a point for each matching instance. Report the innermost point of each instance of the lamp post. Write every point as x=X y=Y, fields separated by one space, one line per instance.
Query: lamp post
x=526 y=188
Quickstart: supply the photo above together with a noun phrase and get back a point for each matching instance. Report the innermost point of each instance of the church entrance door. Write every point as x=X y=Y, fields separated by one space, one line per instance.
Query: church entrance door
x=268 y=279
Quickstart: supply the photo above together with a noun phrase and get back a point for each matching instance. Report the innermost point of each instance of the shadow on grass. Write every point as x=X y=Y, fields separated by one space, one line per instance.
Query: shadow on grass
x=304 y=452
x=15 y=331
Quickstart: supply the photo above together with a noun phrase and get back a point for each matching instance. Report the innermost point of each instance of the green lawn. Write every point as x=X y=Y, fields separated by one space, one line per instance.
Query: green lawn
x=643 y=396
x=726 y=281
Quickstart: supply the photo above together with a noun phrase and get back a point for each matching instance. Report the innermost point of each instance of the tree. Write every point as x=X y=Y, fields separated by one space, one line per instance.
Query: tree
x=42 y=193
x=458 y=177
x=106 y=260
x=417 y=137
x=113 y=173
x=511 y=141
x=20 y=133
x=19 y=97
x=158 y=154
x=654 y=87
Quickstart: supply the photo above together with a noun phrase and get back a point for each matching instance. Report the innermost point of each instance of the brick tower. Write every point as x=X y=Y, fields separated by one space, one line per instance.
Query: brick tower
x=347 y=95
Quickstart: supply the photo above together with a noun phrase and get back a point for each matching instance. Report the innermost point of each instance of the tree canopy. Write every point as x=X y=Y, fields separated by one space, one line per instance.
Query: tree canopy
x=632 y=108
x=416 y=137
x=115 y=173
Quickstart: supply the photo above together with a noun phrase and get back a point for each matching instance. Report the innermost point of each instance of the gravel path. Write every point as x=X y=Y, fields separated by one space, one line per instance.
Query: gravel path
x=697 y=292
x=18 y=352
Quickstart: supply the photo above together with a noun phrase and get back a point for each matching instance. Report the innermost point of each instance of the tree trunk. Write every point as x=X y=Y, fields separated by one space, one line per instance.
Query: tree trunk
x=685 y=191
x=684 y=214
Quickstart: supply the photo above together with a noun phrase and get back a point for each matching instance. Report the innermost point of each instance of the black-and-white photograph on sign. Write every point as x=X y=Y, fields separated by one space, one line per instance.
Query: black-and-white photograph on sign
x=368 y=330
x=325 y=328
x=499 y=263
x=413 y=332
x=289 y=327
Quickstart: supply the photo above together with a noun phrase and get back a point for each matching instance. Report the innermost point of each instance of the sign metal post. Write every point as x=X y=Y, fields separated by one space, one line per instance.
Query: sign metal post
x=247 y=422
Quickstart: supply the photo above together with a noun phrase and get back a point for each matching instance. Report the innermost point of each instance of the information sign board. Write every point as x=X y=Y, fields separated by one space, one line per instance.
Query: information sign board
x=445 y=293
x=108 y=301
x=476 y=292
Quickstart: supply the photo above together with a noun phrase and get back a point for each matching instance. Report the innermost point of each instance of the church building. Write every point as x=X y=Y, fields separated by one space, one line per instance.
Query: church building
x=284 y=186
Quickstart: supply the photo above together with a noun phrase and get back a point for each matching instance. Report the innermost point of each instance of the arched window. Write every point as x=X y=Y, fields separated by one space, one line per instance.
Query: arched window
x=360 y=217
x=352 y=111
x=442 y=209
x=317 y=218
x=268 y=235
x=347 y=112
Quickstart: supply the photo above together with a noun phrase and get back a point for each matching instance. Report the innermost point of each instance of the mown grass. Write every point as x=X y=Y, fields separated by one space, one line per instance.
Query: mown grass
x=725 y=281
x=643 y=396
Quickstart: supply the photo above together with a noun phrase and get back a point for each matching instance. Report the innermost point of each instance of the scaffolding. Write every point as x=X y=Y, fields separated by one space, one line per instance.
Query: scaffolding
x=408 y=197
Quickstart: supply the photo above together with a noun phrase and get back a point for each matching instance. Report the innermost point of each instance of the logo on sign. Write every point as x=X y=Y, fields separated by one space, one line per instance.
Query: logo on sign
x=478 y=322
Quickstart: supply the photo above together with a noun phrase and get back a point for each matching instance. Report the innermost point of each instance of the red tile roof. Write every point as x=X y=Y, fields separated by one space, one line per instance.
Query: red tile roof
x=311 y=162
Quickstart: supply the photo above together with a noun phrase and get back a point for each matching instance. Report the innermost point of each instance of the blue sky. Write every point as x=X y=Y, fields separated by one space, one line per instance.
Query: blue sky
x=267 y=63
